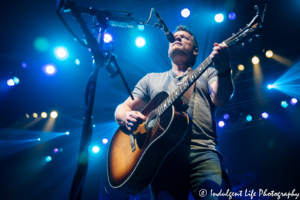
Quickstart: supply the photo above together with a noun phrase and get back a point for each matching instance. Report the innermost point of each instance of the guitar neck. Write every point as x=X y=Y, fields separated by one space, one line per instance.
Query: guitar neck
x=180 y=90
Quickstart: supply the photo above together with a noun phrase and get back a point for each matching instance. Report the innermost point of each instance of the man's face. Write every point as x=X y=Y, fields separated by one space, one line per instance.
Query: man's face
x=182 y=47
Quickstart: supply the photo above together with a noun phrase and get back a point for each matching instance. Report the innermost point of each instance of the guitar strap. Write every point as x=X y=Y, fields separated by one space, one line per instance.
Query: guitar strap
x=185 y=98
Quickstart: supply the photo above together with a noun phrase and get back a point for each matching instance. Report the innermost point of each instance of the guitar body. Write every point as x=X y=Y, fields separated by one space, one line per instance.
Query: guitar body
x=132 y=171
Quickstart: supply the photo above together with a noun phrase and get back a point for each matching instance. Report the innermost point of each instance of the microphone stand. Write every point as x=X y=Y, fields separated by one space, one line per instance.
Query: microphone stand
x=99 y=60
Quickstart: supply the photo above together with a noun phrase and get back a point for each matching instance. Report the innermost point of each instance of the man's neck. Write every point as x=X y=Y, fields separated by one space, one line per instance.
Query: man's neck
x=179 y=69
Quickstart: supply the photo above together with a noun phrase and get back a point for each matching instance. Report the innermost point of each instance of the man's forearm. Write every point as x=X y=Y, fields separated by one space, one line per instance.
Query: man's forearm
x=120 y=113
x=222 y=90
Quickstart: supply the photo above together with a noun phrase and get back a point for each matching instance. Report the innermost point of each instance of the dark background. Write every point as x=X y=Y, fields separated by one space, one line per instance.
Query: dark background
x=264 y=153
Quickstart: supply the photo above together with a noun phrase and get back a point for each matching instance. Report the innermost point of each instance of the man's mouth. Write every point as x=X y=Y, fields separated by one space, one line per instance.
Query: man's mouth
x=177 y=43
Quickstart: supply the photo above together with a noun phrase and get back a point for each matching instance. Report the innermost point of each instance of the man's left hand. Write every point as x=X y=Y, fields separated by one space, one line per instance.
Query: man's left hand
x=220 y=57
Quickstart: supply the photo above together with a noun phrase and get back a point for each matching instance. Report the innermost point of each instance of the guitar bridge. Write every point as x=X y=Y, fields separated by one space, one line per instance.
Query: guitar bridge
x=132 y=142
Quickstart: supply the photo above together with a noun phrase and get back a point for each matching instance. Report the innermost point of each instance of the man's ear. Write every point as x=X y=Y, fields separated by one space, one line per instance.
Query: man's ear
x=196 y=51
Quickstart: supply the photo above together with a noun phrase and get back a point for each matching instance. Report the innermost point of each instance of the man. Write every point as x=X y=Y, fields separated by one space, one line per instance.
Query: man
x=196 y=163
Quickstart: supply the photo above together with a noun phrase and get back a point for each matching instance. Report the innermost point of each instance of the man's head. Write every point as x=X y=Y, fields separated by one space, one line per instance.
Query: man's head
x=185 y=46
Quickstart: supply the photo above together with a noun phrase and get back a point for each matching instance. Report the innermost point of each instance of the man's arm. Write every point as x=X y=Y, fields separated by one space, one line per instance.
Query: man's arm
x=126 y=114
x=221 y=89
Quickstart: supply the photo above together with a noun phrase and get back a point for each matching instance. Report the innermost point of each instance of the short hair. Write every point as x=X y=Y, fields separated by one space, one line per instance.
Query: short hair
x=195 y=43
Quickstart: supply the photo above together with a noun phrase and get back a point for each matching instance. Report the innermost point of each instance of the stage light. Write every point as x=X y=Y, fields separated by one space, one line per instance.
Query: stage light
x=226 y=116
x=53 y=114
x=50 y=69
x=39 y=139
x=41 y=44
x=77 y=61
x=185 y=13
x=221 y=124
x=44 y=115
x=61 y=53
x=255 y=60
x=107 y=38
x=48 y=158
x=94 y=125
x=55 y=150
x=27 y=116
x=270 y=86
x=24 y=65
x=60 y=149
x=232 y=16
x=105 y=141
x=249 y=118
x=219 y=18
x=269 y=54
x=265 y=115
x=35 y=115
x=67 y=133
x=284 y=104
x=140 y=42
x=141 y=27
x=294 y=101
x=10 y=82
x=95 y=149
x=241 y=67
x=16 y=80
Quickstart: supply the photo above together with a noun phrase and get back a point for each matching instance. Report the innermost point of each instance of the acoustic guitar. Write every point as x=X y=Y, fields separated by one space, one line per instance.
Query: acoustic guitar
x=134 y=158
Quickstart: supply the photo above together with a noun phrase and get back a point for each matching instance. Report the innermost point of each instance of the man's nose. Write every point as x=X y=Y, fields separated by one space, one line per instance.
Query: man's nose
x=178 y=38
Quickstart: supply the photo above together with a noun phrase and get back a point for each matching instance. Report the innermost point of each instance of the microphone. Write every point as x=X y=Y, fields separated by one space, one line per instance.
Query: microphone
x=167 y=31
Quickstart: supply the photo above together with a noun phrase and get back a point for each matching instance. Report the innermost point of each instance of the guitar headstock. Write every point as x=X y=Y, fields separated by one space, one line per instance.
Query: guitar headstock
x=252 y=28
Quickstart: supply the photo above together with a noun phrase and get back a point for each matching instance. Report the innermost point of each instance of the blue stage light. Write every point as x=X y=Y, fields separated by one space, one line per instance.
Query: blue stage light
x=94 y=125
x=221 y=124
x=249 y=118
x=10 y=82
x=219 y=17
x=55 y=150
x=24 y=65
x=77 y=61
x=226 y=116
x=185 y=13
x=41 y=44
x=105 y=141
x=141 y=27
x=265 y=115
x=284 y=104
x=48 y=158
x=270 y=86
x=231 y=16
x=107 y=38
x=16 y=80
x=50 y=69
x=39 y=139
x=61 y=53
x=294 y=101
x=140 y=42
x=67 y=133
x=95 y=149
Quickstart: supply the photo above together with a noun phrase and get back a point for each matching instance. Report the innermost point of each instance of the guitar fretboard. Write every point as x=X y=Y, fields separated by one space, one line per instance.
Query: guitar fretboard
x=184 y=86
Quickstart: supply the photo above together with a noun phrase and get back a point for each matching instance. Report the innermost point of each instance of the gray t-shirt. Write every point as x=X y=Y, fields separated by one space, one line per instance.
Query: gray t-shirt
x=202 y=133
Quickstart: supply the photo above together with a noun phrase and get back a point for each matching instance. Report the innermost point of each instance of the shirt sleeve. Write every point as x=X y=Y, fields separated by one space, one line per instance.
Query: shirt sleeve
x=141 y=90
x=212 y=75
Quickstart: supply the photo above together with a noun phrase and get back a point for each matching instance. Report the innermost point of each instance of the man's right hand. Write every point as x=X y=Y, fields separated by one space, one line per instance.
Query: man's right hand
x=133 y=120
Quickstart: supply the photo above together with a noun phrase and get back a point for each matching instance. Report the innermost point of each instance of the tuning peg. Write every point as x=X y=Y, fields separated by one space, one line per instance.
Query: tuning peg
x=257 y=35
x=250 y=40
x=240 y=29
x=243 y=44
x=232 y=34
